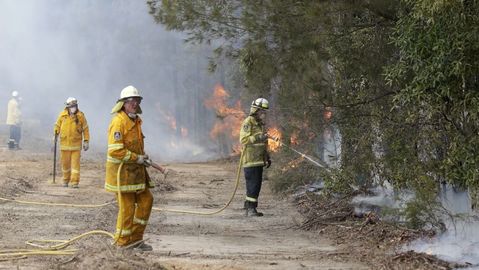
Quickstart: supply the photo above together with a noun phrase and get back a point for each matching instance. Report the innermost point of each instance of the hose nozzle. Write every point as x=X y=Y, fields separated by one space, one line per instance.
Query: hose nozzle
x=272 y=137
x=148 y=162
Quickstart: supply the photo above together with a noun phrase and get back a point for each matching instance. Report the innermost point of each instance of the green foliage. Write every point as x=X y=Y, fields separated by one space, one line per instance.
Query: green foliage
x=401 y=78
x=422 y=211
x=286 y=178
x=437 y=74
x=341 y=182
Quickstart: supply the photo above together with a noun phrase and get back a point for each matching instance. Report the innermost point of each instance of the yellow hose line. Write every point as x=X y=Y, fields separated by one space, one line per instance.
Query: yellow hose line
x=64 y=243
x=11 y=254
x=238 y=173
x=14 y=254
x=57 y=249
x=120 y=210
x=58 y=204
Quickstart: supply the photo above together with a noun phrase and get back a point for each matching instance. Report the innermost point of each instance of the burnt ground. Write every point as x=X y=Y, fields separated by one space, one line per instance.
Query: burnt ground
x=229 y=240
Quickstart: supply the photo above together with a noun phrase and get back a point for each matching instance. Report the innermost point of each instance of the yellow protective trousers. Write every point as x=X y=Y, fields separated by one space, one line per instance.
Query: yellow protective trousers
x=131 y=221
x=71 y=166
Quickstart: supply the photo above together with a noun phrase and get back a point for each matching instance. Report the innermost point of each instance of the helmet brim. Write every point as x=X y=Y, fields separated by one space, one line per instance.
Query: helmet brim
x=125 y=98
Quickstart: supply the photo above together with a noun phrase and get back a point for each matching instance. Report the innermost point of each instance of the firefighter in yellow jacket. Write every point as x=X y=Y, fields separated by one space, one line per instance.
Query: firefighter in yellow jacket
x=254 y=140
x=126 y=152
x=72 y=128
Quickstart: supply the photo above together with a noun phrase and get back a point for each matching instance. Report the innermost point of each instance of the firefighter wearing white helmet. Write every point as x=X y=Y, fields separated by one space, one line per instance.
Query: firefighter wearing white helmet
x=14 y=120
x=126 y=147
x=72 y=129
x=254 y=140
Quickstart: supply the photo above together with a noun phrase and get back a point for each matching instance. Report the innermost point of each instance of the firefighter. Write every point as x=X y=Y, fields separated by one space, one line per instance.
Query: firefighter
x=14 y=121
x=126 y=149
x=254 y=140
x=72 y=128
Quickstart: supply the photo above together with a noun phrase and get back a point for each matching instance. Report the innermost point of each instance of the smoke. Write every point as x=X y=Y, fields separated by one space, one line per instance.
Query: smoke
x=460 y=243
x=381 y=198
x=89 y=49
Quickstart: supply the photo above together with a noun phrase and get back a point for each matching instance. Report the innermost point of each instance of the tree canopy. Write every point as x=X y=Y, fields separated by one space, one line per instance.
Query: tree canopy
x=400 y=76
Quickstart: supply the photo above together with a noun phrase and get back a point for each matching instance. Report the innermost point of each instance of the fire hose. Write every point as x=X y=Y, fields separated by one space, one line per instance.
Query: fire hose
x=303 y=155
x=238 y=173
x=58 y=249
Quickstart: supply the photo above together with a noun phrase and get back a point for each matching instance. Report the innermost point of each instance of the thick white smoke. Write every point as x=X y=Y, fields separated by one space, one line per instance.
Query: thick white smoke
x=89 y=49
x=460 y=243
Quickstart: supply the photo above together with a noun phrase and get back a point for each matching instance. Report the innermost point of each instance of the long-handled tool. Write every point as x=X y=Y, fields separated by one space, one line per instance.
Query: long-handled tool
x=55 y=157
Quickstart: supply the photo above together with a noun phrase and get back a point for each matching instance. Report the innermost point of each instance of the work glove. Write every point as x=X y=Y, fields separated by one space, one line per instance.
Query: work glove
x=262 y=137
x=141 y=160
x=86 y=145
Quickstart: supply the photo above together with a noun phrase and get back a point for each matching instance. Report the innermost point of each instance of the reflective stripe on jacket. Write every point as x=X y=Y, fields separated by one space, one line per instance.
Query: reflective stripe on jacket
x=72 y=130
x=13 y=113
x=125 y=143
x=254 y=150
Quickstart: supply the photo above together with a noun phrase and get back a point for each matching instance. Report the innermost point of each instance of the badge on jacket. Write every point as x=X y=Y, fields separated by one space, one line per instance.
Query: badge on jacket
x=245 y=127
x=117 y=136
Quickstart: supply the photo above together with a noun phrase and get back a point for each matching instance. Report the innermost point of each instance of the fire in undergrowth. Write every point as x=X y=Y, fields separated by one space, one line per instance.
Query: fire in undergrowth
x=292 y=164
x=170 y=119
x=175 y=133
x=229 y=118
x=184 y=132
x=294 y=138
x=274 y=139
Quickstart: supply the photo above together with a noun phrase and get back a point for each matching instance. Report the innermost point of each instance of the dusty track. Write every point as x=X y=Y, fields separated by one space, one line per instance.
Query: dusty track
x=225 y=241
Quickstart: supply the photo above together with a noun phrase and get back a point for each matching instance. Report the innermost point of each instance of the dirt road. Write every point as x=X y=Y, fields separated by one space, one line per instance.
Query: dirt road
x=228 y=240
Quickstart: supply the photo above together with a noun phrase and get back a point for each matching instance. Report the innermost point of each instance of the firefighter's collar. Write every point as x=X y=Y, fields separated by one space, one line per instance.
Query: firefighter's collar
x=130 y=123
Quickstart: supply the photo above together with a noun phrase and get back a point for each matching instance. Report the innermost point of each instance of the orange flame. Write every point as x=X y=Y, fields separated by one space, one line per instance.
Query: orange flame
x=274 y=144
x=237 y=149
x=184 y=132
x=171 y=121
x=294 y=138
x=168 y=117
x=218 y=99
x=292 y=164
x=328 y=113
x=229 y=118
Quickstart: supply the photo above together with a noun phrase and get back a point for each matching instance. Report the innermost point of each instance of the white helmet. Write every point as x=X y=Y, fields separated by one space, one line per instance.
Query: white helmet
x=128 y=92
x=260 y=103
x=15 y=94
x=71 y=101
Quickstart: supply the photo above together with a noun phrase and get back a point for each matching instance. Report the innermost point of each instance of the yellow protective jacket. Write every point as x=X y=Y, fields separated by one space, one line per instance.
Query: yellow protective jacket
x=125 y=143
x=13 y=113
x=255 y=153
x=72 y=130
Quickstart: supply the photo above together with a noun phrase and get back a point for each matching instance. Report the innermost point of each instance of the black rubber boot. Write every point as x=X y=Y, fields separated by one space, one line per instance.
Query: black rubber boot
x=253 y=213
x=140 y=246
x=143 y=247
x=11 y=144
